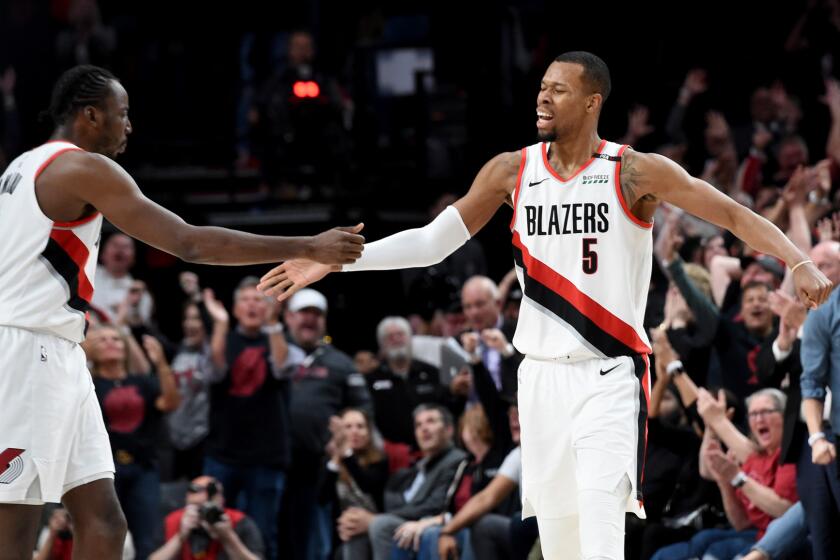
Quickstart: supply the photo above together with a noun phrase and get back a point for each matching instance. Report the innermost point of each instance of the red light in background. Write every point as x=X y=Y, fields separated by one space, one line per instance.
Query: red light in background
x=306 y=89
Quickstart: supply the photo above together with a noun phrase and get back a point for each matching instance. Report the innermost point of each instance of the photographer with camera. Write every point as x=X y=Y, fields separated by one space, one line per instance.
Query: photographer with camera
x=206 y=529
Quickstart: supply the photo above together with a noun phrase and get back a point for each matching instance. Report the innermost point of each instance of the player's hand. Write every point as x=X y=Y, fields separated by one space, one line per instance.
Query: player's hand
x=285 y=280
x=812 y=286
x=447 y=547
x=341 y=245
x=823 y=452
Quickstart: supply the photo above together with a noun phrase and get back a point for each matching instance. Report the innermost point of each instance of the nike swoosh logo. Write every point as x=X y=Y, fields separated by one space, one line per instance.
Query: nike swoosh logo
x=605 y=372
x=537 y=183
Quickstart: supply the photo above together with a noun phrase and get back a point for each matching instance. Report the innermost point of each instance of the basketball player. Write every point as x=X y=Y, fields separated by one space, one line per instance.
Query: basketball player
x=582 y=219
x=53 y=443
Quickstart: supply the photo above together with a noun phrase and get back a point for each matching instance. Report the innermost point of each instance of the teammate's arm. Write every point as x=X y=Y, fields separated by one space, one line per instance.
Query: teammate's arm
x=99 y=182
x=656 y=177
x=418 y=247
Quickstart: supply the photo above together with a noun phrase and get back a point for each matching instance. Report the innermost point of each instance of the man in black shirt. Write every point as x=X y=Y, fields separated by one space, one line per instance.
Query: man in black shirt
x=248 y=447
x=401 y=383
x=324 y=382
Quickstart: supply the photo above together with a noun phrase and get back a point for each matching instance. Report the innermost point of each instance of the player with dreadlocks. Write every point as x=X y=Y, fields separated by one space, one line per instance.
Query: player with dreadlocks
x=53 y=443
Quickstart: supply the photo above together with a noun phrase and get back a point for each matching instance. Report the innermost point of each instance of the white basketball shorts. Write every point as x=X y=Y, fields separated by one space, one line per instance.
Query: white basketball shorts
x=52 y=436
x=584 y=426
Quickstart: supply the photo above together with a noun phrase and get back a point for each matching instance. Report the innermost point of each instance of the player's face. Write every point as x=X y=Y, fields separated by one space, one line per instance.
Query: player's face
x=116 y=126
x=766 y=422
x=563 y=102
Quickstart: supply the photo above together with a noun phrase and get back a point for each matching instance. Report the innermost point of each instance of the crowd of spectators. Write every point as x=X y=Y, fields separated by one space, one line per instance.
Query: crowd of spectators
x=256 y=434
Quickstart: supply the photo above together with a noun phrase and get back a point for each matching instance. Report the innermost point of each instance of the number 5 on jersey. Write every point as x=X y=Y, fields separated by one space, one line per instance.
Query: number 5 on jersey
x=590 y=257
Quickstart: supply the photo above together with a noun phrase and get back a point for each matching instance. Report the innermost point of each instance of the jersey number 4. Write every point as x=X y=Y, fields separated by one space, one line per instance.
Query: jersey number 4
x=590 y=257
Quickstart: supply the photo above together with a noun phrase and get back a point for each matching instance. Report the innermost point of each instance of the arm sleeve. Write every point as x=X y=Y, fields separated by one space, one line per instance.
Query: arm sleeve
x=705 y=313
x=414 y=248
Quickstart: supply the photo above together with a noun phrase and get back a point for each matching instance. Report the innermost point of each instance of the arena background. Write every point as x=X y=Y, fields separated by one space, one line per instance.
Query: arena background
x=182 y=64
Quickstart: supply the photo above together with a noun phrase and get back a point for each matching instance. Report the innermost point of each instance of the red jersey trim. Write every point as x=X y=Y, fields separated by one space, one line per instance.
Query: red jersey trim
x=518 y=186
x=76 y=223
x=576 y=173
x=78 y=253
x=587 y=306
x=52 y=158
x=627 y=212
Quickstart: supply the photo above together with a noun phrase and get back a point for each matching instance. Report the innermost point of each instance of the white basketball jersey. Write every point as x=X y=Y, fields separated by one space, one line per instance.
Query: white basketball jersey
x=582 y=258
x=46 y=267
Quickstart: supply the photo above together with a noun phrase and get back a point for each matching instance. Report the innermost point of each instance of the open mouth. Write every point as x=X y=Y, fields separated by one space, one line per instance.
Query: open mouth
x=763 y=432
x=543 y=118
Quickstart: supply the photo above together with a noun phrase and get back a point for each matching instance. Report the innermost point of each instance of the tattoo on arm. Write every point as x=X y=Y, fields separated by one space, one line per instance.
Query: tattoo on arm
x=630 y=177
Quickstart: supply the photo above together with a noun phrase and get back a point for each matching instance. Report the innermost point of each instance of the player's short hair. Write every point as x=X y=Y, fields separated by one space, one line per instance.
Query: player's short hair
x=77 y=88
x=445 y=415
x=595 y=70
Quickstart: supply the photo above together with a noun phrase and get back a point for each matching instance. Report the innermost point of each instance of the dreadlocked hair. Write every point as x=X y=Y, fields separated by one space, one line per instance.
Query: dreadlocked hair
x=78 y=87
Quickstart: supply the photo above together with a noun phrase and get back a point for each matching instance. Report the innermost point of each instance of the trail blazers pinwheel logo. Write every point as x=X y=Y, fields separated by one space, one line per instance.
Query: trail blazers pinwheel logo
x=11 y=465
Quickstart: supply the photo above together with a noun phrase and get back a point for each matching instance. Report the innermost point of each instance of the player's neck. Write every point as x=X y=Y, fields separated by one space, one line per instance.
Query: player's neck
x=568 y=155
x=66 y=133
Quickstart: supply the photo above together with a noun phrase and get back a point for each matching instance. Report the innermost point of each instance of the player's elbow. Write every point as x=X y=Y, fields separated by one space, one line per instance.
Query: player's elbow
x=190 y=248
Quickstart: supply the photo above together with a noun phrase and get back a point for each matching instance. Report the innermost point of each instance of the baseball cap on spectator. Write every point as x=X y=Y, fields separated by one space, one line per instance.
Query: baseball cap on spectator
x=768 y=262
x=308 y=298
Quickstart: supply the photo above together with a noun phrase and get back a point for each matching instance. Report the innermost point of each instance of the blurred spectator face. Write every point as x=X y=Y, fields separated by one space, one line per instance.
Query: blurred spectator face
x=480 y=302
x=670 y=409
x=766 y=422
x=301 y=49
x=105 y=344
x=513 y=420
x=197 y=491
x=118 y=254
x=757 y=273
x=714 y=246
x=250 y=308
x=356 y=430
x=365 y=361
x=192 y=326
x=762 y=108
x=792 y=154
x=562 y=101
x=307 y=326
x=431 y=431
x=675 y=305
x=826 y=257
x=476 y=433
x=755 y=309
x=396 y=342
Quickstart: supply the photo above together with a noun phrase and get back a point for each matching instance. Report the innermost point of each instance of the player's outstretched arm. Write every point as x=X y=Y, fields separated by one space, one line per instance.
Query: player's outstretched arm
x=418 y=247
x=658 y=176
x=103 y=184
